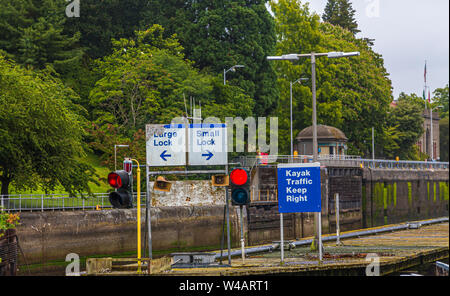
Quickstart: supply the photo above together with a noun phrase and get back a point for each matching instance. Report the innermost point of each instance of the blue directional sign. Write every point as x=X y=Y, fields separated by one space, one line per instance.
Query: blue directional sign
x=299 y=188
x=208 y=144
x=166 y=145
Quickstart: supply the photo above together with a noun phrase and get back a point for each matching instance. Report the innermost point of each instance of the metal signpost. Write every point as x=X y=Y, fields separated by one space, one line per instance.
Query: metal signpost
x=299 y=192
x=185 y=145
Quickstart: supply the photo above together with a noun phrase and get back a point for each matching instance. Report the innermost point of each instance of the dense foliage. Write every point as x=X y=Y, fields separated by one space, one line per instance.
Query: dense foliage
x=67 y=84
x=353 y=94
x=41 y=132
x=341 y=13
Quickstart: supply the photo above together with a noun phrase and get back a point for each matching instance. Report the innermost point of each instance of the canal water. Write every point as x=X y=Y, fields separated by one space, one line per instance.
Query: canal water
x=428 y=269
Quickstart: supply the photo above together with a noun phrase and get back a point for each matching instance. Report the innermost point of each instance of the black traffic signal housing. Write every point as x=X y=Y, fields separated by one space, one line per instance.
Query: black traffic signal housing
x=240 y=186
x=122 y=197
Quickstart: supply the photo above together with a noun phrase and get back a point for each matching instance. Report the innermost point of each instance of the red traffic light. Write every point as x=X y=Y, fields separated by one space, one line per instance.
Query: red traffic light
x=118 y=179
x=239 y=177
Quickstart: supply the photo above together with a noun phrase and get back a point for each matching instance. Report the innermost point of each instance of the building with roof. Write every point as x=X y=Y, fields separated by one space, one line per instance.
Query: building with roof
x=331 y=141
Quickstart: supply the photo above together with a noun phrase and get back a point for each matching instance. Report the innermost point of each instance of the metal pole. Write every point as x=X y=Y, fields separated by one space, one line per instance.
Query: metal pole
x=224 y=77
x=373 y=144
x=115 y=165
x=292 y=147
x=338 y=232
x=314 y=115
x=317 y=218
x=228 y=227
x=148 y=208
x=282 y=238
x=320 y=237
x=138 y=179
x=242 y=234
x=228 y=220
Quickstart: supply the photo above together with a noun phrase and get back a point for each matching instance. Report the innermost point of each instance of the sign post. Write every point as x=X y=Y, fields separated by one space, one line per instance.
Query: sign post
x=299 y=191
x=184 y=145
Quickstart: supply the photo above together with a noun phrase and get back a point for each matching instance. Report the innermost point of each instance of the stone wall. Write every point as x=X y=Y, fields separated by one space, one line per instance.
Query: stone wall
x=189 y=193
x=391 y=196
x=194 y=219
x=47 y=236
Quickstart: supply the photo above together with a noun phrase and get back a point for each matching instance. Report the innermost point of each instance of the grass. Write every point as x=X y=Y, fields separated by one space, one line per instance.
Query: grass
x=91 y=159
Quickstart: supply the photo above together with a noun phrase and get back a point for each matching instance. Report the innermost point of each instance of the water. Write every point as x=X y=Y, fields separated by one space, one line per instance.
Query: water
x=428 y=269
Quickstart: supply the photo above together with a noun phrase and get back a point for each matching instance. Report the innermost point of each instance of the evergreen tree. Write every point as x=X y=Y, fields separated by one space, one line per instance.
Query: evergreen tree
x=341 y=13
x=32 y=33
x=41 y=137
x=218 y=34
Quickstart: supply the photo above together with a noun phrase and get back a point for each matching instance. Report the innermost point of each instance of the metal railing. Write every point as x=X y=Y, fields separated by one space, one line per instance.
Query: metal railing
x=57 y=202
x=341 y=160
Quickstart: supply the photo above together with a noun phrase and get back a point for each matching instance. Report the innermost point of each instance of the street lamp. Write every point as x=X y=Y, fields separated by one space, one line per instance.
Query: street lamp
x=312 y=56
x=115 y=154
x=292 y=83
x=231 y=69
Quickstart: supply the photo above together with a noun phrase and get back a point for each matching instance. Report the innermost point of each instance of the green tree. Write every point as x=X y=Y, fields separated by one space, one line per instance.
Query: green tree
x=146 y=80
x=406 y=121
x=41 y=132
x=353 y=94
x=218 y=34
x=440 y=96
x=101 y=21
x=341 y=13
x=32 y=33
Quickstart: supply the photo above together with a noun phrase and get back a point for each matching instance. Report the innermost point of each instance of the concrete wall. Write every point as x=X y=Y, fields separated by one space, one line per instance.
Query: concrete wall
x=371 y=197
x=47 y=236
x=391 y=196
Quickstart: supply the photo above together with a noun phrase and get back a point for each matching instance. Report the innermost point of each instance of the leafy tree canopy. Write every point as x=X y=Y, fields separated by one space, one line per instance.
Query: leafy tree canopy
x=341 y=13
x=32 y=33
x=406 y=122
x=40 y=132
x=147 y=80
x=353 y=94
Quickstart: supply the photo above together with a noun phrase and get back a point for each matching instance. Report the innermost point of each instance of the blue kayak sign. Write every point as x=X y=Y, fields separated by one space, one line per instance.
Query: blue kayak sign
x=299 y=188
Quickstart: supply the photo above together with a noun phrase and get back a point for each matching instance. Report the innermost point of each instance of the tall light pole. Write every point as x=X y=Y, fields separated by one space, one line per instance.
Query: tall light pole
x=312 y=56
x=290 y=89
x=115 y=154
x=230 y=69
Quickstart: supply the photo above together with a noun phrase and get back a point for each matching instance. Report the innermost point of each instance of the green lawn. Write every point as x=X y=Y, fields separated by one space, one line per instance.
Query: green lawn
x=91 y=159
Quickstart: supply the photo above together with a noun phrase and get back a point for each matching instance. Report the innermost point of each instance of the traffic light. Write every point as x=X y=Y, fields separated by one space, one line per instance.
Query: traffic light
x=220 y=180
x=161 y=184
x=122 y=197
x=240 y=187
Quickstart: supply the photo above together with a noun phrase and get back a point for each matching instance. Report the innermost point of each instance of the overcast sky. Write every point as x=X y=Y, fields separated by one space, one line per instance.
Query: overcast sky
x=406 y=33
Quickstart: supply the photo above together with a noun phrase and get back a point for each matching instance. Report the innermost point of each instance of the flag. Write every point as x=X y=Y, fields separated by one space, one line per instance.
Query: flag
x=425 y=73
x=429 y=96
x=423 y=95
